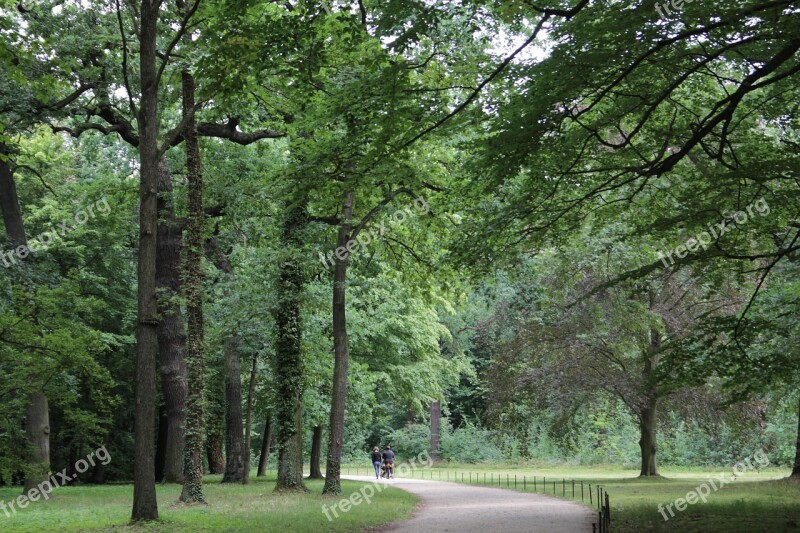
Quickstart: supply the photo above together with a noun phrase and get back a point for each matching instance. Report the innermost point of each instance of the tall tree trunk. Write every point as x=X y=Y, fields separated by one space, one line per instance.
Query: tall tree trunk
x=647 y=416
x=316 y=453
x=341 y=355
x=37 y=427
x=436 y=428
x=234 y=443
x=796 y=467
x=214 y=448
x=145 y=504
x=248 y=425
x=193 y=464
x=171 y=329
x=37 y=413
x=265 y=442
x=288 y=361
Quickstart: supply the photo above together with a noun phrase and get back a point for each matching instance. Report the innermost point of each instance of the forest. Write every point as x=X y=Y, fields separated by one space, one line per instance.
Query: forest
x=245 y=242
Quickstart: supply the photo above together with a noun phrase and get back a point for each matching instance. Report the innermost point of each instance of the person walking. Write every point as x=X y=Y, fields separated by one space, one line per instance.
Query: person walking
x=376 y=461
x=388 y=460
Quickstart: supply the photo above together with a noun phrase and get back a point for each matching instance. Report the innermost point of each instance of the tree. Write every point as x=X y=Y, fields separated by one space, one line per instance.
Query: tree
x=171 y=329
x=288 y=360
x=145 y=505
x=266 y=440
x=195 y=361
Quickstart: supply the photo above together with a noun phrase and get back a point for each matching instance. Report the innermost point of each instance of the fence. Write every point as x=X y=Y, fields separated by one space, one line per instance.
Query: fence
x=595 y=495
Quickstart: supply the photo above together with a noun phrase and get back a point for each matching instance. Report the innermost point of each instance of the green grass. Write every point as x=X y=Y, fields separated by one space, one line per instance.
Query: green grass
x=252 y=507
x=759 y=501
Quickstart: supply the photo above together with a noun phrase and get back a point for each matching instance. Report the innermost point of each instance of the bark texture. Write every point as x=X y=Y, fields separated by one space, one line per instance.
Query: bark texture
x=171 y=329
x=9 y=202
x=316 y=453
x=214 y=449
x=288 y=361
x=647 y=415
x=193 y=274
x=37 y=427
x=341 y=351
x=145 y=505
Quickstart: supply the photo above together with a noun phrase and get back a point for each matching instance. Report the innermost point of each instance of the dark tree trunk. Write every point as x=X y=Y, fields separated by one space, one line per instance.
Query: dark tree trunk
x=265 y=442
x=316 y=453
x=214 y=453
x=288 y=361
x=234 y=440
x=9 y=203
x=796 y=467
x=171 y=330
x=195 y=361
x=145 y=504
x=436 y=428
x=37 y=427
x=37 y=413
x=647 y=440
x=248 y=425
x=161 y=442
x=99 y=474
x=647 y=416
x=341 y=356
x=215 y=423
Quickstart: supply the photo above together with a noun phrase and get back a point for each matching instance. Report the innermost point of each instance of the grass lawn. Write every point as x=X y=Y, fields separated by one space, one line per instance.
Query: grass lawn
x=252 y=507
x=758 y=501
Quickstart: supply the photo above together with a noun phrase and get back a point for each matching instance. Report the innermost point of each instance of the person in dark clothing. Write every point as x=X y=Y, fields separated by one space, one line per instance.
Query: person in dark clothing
x=388 y=460
x=376 y=461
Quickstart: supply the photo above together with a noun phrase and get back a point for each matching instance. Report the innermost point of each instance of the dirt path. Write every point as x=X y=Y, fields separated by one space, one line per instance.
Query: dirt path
x=460 y=508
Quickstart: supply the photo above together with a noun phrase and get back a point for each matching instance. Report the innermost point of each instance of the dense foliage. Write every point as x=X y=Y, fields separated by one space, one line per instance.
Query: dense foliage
x=485 y=230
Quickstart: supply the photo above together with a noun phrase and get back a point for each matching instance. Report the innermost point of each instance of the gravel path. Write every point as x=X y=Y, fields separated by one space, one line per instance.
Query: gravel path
x=454 y=507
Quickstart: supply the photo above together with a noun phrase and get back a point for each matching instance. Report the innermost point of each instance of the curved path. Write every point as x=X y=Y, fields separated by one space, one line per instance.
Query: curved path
x=454 y=507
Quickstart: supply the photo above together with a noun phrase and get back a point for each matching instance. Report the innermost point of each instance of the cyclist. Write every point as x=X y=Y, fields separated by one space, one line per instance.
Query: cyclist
x=388 y=460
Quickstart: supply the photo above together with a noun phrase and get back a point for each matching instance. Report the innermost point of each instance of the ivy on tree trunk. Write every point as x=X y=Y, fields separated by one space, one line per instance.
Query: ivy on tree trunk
x=288 y=363
x=195 y=361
